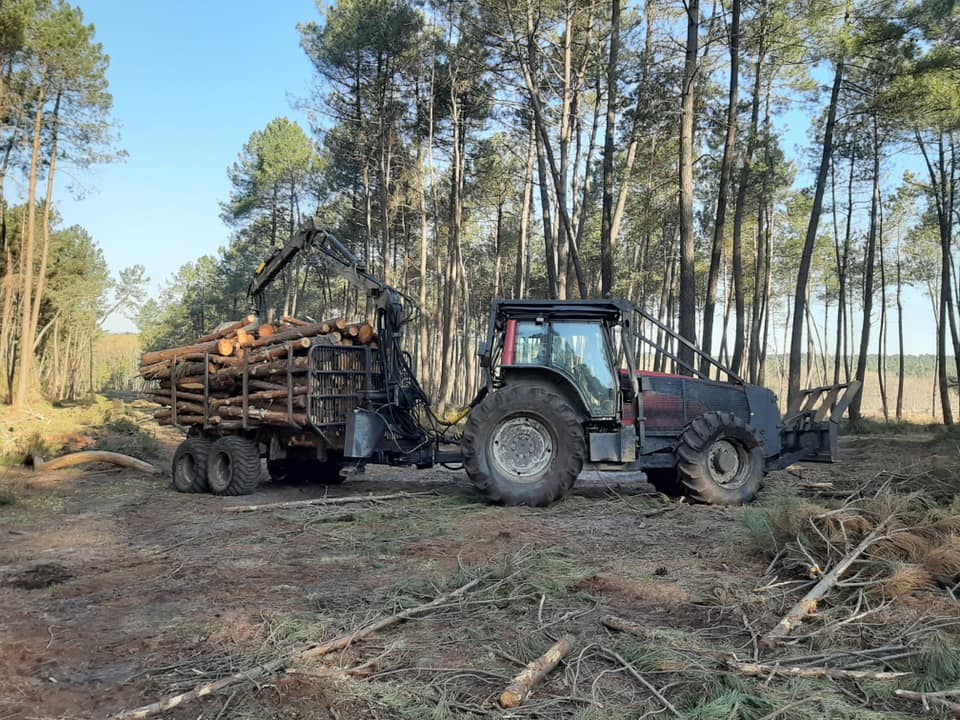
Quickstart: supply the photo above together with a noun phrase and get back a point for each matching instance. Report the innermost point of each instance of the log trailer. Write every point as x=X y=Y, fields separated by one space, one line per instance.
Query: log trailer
x=562 y=392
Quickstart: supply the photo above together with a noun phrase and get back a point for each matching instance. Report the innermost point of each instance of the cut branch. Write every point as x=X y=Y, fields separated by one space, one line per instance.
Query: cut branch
x=533 y=674
x=92 y=456
x=324 y=501
x=275 y=666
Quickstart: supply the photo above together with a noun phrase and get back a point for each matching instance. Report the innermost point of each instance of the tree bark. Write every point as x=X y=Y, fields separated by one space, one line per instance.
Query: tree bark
x=688 y=280
x=607 y=247
x=803 y=275
x=25 y=353
x=726 y=171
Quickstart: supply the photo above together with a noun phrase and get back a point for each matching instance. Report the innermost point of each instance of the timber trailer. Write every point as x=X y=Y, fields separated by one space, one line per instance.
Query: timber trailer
x=561 y=393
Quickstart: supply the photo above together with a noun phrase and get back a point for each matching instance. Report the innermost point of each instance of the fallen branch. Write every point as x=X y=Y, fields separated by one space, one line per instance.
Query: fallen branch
x=646 y=683
x=533 y=674
x=623 y=625
x=813 y=672
x=275 y=666
x=808 y=603
x=324 y=501
x=933 y=698
x=92 y=456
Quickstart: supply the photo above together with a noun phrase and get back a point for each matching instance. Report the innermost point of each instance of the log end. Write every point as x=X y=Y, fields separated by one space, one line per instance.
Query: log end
x=511 y=698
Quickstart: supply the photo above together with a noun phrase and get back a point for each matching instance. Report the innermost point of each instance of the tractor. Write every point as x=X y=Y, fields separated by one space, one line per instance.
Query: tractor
x=563 y=390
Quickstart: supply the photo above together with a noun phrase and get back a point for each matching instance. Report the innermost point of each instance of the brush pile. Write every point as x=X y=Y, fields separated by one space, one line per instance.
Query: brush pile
x=245 y=371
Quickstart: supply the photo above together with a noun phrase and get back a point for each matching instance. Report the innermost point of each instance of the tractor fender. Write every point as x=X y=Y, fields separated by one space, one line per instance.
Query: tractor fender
x=765 y=418
x=548 y=379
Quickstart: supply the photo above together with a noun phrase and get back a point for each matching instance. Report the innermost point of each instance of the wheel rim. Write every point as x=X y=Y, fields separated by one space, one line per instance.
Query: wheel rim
x=727 y=462
x=219 y=479
x=187 y=469
x=522 y=448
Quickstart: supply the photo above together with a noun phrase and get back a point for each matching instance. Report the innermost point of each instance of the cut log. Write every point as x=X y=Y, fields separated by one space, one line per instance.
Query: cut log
x=244 y=338
x=807 y=605
x=300 y=332
x=91 y=456
x=275 y=352
x=266 y=669
x=766 y=670
x=523 y=684
x=228 y=328
x=226 y=347
x=266 y=331
x=298 y=390
x=366 y=334
x=262 y=369
x=187 y=420
x=324 y=501
x=294 y=321
x=170 y=353
x=353 y=331
x=262 y=415
x=161 y=371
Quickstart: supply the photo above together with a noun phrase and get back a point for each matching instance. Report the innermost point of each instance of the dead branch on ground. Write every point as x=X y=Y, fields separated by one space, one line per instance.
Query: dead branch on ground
x=807 y=605
x=324 y=501
x=274 y=666
x=93 y=456
x=766 y=670
x=533 y=674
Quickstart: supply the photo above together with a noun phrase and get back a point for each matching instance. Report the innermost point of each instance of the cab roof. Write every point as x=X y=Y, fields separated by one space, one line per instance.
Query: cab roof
x=565 y=309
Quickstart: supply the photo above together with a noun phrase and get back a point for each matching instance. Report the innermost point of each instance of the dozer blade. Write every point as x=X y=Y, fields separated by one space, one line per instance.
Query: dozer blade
x=810 y=427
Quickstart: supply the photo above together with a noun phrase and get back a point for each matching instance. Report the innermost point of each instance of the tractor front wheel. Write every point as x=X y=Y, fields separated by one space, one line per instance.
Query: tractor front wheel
x=523 y=446
x=720 y=460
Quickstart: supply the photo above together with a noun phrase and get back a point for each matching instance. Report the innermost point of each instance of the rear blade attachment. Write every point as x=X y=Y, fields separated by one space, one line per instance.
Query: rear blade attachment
x=810 y=427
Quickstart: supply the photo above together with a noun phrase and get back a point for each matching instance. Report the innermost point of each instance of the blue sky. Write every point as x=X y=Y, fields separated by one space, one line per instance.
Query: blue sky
x=190 y=81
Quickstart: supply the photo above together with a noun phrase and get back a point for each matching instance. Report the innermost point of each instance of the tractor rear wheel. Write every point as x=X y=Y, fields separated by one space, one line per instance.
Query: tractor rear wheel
x=720 y=460
x=523 y=446
x=190 y=465
x=234 y=466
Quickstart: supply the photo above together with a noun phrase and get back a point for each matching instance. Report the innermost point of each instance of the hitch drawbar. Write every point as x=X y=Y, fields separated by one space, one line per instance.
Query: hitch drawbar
x=810 y=427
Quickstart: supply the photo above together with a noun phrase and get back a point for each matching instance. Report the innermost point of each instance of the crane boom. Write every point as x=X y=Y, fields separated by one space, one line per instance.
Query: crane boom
x=312 y=237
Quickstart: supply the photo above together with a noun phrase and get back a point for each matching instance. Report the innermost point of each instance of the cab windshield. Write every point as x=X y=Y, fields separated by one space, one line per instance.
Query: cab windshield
x=578 y=350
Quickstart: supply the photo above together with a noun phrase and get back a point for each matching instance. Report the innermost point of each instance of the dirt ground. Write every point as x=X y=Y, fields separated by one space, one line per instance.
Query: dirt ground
x=116 y=591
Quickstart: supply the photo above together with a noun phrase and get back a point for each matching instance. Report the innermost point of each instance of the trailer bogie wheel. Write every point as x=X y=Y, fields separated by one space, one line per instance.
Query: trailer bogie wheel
x=720 y=460
x=523 y=446
x=234 y=466
x=190 y=465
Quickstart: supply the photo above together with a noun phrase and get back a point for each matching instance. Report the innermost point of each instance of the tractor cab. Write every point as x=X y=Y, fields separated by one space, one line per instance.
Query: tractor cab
x=573 y=347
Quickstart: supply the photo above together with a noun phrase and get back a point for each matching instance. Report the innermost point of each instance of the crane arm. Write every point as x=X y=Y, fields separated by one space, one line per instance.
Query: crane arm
x=311 y=237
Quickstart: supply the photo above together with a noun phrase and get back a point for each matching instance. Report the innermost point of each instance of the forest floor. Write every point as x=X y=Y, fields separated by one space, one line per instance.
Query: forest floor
x=117 y=591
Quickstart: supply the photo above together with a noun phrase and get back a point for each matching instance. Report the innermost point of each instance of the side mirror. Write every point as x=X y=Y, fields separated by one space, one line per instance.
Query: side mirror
x=483 y=352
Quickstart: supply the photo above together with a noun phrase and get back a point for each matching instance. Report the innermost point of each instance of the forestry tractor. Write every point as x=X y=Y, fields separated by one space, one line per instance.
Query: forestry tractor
x=562 y=393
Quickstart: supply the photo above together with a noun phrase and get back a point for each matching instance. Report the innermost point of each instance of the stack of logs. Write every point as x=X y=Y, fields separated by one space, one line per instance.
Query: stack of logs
x=265 y=356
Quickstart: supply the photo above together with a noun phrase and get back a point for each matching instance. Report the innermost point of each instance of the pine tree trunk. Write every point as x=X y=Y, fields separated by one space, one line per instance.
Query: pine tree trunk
x=726 y=172
x=607 y=247
x=688 y=280
x=519 y=281
x=803 y=275
x=25 y=353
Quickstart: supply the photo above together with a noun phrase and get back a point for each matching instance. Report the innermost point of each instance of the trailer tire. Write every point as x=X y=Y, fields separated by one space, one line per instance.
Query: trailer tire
x=234 y=466
x=552 y=446
x=720 y=460
x=189 y=469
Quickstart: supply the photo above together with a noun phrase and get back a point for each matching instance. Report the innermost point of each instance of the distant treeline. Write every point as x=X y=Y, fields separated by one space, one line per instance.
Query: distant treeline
x=921 y=366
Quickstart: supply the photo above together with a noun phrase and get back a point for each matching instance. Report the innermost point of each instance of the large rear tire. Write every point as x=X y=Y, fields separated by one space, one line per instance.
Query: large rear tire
x=189 y=468
x=234 y=466
x=523 y=446
x=720 y=460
